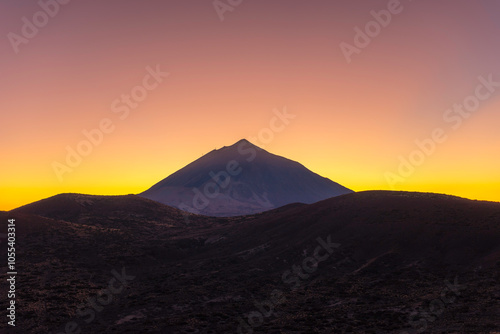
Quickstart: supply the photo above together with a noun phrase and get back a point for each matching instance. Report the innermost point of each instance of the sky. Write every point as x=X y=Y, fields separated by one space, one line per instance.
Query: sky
x=366 y=93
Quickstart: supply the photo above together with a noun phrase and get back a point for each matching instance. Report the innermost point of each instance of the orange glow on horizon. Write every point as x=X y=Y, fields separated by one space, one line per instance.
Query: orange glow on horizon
x=353 y=121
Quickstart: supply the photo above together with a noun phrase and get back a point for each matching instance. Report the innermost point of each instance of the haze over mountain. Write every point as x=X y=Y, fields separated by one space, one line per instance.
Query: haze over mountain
x=242 y=179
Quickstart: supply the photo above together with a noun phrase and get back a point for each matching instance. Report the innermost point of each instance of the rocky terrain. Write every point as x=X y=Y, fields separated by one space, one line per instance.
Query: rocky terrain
x=370 y=262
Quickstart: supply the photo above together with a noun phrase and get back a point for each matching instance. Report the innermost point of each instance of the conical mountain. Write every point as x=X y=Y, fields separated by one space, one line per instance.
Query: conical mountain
x=241 y=179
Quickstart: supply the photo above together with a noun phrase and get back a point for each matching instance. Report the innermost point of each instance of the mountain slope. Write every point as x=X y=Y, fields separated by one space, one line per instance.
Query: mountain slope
x=438 y=229
x=241 y=179
x=114 y=211
x=397 y=253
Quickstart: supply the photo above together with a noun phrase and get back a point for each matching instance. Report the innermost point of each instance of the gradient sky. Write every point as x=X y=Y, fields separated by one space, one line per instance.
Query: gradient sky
x=352 y=122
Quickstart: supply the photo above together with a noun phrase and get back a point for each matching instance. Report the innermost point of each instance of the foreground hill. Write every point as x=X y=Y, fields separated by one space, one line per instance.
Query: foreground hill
x=106 y=210
x=241 y=179
x=387 y=262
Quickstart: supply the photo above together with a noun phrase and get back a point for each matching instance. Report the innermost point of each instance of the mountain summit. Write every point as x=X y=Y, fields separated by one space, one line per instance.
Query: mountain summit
x=241 y=179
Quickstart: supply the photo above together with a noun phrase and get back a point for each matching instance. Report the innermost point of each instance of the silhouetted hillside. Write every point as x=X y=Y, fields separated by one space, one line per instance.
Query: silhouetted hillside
x=388 y=256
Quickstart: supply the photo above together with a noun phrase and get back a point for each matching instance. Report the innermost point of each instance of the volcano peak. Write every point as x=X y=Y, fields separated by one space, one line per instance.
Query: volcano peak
x=241 y=179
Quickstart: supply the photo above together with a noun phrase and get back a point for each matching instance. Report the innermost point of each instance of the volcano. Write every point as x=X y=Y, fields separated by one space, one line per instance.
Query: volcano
x=241 y=179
